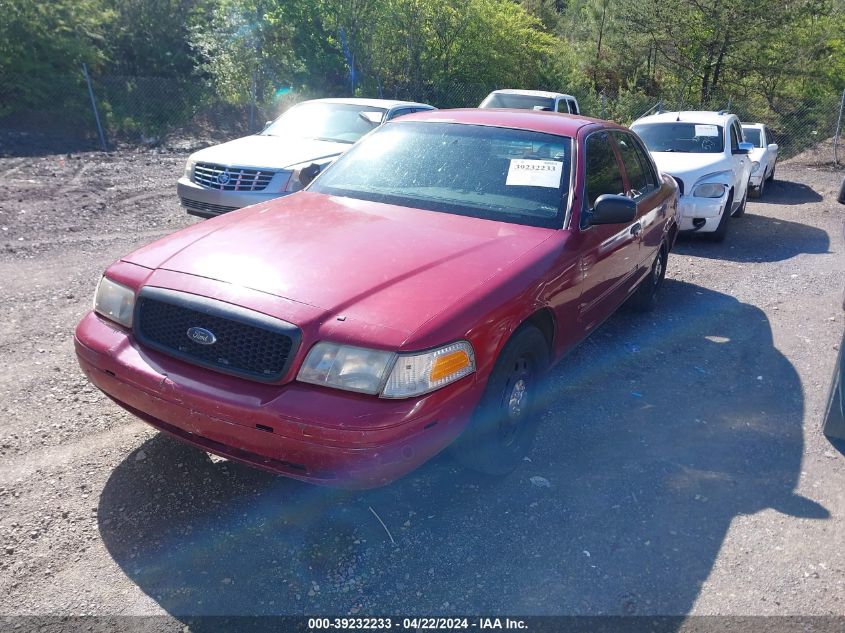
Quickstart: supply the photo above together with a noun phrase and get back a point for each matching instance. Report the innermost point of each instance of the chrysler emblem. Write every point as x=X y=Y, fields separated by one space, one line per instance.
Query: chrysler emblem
x=223 y=177
x=202 y=336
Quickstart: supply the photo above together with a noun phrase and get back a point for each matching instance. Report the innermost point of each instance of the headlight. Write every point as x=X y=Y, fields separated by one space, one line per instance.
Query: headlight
x=346 y=367
x=709 y=190
x=189 y=168
x=754 y=166
x=416 y=374
x=388 y=374
x=114 y=301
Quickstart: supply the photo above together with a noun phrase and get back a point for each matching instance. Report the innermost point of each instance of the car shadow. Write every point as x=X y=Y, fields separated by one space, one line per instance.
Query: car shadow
x=660 y=430
x=787 y=192
x=758 y=238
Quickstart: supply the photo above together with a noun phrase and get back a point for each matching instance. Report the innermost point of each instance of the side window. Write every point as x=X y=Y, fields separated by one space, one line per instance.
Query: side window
x=648 y=166
x=573 y=107
x=562 y=106
x=640 y=177
x=602 y=170
x=734 y=138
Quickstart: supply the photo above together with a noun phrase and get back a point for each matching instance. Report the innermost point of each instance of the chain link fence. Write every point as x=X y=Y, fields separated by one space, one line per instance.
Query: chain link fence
x=155 y=110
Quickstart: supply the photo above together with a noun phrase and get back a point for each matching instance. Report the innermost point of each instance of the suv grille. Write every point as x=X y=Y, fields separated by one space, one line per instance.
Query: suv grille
x=231 y=178
x=244 y=343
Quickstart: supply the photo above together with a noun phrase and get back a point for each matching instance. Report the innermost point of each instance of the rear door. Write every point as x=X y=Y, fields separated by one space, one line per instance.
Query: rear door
x=610 y=251
x=772 y=156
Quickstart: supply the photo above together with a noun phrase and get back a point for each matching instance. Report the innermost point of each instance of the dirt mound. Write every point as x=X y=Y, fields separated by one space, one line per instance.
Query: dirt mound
x=822 y=154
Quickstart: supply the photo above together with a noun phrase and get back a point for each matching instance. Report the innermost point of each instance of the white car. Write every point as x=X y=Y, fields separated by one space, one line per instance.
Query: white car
x=764 y=156
x=706 y=153
x=267 y=165
x=531 y=100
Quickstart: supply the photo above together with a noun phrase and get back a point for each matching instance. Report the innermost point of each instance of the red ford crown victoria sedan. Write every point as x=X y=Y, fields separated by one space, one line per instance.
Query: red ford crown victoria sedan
x=412 y=297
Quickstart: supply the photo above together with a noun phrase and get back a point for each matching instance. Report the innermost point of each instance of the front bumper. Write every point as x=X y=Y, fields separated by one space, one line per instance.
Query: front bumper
x=314 y=434
x=692 y=210
x=206 y=202
x=756 y=180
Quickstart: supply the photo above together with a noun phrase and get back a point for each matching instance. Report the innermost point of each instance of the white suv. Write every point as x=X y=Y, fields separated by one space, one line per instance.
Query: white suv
x=764 y=156
x=706 y=153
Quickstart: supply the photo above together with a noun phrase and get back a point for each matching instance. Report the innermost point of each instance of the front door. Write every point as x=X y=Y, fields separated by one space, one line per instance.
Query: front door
x=609 y=252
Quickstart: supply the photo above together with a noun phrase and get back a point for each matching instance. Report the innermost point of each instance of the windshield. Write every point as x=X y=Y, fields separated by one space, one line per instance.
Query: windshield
x=338 y=122
x=696 y=138
x=520 y=102
x=752 y=135
x=484 y=172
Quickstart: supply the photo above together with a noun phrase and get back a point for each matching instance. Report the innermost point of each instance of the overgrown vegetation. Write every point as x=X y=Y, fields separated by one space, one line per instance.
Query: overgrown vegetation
x=617 y=56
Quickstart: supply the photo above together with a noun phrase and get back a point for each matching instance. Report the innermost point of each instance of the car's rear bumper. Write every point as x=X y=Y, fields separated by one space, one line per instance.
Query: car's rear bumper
x=206 y=202
x=315 y=434
x=692 y=211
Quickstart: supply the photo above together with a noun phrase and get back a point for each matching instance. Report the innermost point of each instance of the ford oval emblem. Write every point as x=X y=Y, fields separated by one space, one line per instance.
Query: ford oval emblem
x=202 y=336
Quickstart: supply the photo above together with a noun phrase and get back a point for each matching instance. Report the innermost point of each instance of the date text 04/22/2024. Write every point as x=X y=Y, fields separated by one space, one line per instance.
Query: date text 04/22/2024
x=417 y=623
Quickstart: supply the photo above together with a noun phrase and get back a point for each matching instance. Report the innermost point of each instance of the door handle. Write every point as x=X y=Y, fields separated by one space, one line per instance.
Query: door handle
x=636 y=229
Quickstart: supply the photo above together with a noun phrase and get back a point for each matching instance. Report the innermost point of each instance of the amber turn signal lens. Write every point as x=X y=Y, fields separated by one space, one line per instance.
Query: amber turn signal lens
x=448 y=364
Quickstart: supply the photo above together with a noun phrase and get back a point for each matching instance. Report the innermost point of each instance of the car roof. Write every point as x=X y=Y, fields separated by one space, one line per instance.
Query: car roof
x=530 y=120
x=532 y=93
x=687 y=116
x=373 y=103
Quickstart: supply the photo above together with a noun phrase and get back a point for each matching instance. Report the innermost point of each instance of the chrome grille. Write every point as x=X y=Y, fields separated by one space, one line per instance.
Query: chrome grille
x=231 y=178
x=205 y=208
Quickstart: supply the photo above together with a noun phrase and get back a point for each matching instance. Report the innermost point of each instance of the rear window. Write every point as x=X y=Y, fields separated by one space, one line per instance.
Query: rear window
x=520 y=102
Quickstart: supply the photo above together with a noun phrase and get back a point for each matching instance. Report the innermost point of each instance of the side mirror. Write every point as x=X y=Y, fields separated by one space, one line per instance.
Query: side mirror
x=772 y=147
x=307 y=174
x=612 y=209
x=744 y=148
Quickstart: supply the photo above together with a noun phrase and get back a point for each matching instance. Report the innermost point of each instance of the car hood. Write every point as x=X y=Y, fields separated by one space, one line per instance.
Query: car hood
x=690 y=167
x=381 y=264
x=269 y=151
x=757 y=154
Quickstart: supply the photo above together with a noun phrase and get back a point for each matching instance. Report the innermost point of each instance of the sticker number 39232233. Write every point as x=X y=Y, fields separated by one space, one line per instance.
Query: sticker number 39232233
x=526 y=172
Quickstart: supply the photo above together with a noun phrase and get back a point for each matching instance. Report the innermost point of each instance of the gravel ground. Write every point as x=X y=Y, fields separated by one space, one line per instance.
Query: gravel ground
x=681 y=468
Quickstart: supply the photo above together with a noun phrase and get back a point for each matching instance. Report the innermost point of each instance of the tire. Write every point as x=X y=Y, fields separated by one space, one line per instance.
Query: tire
x=740 y=211
x=771 y=177
x=645 y=296
x=722 y=229
x=834 y=419
x=505 y=422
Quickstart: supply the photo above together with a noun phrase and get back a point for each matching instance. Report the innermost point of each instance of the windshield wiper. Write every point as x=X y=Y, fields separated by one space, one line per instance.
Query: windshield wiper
x=333 y=140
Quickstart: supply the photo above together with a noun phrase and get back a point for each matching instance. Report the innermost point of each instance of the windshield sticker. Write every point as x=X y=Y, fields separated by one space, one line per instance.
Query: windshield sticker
x=706 y=130
x=524 y=172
